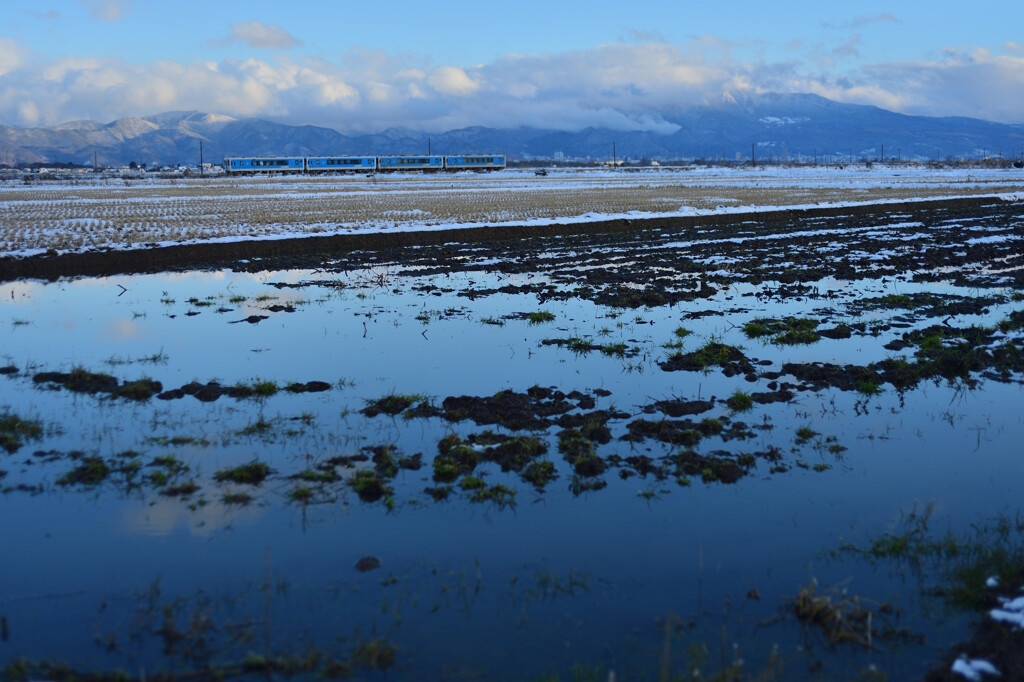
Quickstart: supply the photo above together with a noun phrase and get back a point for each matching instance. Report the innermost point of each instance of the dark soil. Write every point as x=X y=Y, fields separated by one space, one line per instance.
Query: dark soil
x=622 y=276
x=731 y=360
x=308 y=387
x=512 y=453
x=79 y=381
x=533 y=410
x=679 y=408
x=941 y=353
x=213 y=390
x=83 y=381
x=716 y=466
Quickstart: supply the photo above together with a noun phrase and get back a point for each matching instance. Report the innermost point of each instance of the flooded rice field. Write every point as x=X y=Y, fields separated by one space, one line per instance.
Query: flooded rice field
x=764 y=449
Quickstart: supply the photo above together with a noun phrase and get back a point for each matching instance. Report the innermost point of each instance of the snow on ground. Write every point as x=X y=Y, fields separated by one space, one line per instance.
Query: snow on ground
x=1011 y=611
x=973 y=669
x=118 y=214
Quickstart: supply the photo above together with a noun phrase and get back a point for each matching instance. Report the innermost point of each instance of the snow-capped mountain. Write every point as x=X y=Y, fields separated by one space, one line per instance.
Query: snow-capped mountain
x=772 y=126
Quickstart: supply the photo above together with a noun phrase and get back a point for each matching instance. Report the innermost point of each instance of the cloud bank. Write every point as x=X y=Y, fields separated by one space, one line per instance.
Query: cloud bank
x=631 y=85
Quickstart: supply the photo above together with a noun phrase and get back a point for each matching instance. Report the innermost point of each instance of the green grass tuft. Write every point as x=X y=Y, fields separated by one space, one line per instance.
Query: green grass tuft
x=252 y=473
x=540 y=316
x=739 y=401
x=14 y=431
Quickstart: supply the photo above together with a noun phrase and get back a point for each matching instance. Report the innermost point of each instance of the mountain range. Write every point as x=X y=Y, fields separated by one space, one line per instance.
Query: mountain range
x=769 y=126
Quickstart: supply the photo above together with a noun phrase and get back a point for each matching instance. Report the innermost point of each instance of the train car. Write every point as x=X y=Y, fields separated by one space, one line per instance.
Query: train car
x=406 y=163
x=266 y=164
x=477 y=162
x=317 y=164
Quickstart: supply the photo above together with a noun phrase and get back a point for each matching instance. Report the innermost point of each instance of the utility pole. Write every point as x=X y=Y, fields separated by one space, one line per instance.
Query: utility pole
x=200 y=158
x=753 y=159
x=613 y=155
x=883 y=154
x=428 y=146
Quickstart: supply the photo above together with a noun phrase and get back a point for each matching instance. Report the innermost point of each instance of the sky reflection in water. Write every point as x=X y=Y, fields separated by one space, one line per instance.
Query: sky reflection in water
x=552 y=581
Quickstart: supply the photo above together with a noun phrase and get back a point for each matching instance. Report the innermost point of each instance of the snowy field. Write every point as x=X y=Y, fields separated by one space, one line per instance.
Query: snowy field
x=121 y=214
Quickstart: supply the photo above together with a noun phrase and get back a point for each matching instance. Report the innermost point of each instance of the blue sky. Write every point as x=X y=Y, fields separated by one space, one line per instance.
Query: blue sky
x=358 y=66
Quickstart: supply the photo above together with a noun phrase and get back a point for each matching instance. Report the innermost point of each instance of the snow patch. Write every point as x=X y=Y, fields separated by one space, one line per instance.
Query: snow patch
x=1012 y=611
x=782 y=120
x=995 y=239
x=973 y=668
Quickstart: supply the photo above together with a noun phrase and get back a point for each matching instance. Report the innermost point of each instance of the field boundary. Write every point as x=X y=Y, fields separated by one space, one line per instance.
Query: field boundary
x=214 y=254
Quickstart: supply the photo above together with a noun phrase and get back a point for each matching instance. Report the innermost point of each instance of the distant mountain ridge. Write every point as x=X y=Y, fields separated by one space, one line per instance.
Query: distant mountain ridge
x=776 y=126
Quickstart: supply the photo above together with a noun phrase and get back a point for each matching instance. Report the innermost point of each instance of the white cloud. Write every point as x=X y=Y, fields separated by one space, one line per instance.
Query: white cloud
x=621 y=86
x=261 y=36
x=331 y=91
x=10 y=55
x=109 y=10
x=28 y=112
x=379 y=92
x=451 y=80
x=973 y=83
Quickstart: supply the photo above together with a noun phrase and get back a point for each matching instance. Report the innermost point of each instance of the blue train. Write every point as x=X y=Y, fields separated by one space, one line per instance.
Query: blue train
x=366 y=164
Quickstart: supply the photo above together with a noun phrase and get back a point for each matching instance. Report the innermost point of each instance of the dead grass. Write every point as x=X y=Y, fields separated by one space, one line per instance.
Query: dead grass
x=841 y=618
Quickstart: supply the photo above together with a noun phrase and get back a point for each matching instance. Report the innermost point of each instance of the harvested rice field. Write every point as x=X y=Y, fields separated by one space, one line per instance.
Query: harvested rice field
x=119 y=214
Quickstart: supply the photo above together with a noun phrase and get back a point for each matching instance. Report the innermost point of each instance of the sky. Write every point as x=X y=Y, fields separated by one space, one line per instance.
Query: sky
x=440 y=65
